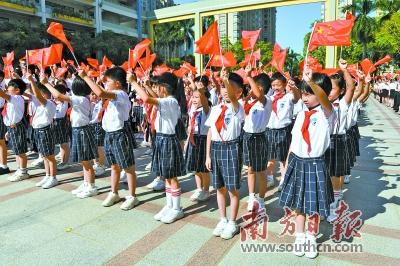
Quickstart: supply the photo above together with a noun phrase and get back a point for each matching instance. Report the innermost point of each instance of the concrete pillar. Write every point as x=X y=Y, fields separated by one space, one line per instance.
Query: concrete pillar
x=43 y=10
x=139 y=19
x=198 y=25
x=331 y=51
x=97 y=16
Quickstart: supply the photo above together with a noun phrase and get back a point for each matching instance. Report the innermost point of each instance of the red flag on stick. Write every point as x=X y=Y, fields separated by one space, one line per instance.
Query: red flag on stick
x=45 y=56
x=8 y=61
x=136 y=53
x=209 y=42
x=384 y=60
x=367 y=66
x=278 y=57
x=332 y=33
x=93 y=62
x=249 y=39
x=56 y=29
x=107 y=62
x=312 y=63
x=161 y=69
x=227 y=60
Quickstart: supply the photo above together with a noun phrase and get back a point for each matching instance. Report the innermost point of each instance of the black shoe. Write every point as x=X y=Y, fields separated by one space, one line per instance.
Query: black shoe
x=4 y=171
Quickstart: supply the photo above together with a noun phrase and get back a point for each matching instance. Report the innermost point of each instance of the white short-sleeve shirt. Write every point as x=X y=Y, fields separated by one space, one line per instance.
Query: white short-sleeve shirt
x=284 y=112
x=168 y=113
x=80 y=114
x=42 y=115
x=117 y=112
x=341 y=109
x=257 y=119
x=95 y=109
x=61 y=110
x=15 y=110
x=233 y=123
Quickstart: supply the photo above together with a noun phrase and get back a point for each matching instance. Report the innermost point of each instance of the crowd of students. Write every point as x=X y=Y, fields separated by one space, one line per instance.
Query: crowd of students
x=210 y=125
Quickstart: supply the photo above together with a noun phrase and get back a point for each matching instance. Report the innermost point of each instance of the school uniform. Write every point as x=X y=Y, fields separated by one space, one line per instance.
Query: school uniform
x=83 y=145
x=117 y=145
x=307 y=186
x=41 y=120
x=95 y=122
x=3 y=128
x=254 y=139
x=13 y=113
x=279 y=126
x=61 y=126
x=337 y=155
x=226 y=155
x=197 y=144
x=167 y=160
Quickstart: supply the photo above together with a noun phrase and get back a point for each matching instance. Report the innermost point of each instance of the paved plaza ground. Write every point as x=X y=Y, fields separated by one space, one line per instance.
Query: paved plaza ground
x=51 y=227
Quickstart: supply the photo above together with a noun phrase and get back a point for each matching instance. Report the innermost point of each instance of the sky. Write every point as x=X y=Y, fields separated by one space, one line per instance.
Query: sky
x=289 y=31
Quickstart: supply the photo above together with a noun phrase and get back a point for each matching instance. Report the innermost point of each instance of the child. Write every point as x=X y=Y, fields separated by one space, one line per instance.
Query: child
x=167 y=161
x=224 y=153
x=337 y=154
x=279 y=125
x=196 y=147
x=83 y=146
x=3 y=129
x=13 y=112
x=117 y=145
x=254 y=138
x=42 y=111
x=306 y=187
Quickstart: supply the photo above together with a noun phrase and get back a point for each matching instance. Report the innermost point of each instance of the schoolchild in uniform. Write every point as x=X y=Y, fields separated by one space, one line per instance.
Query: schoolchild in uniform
x=223 y=153
x=3 y=130
x=307 y=187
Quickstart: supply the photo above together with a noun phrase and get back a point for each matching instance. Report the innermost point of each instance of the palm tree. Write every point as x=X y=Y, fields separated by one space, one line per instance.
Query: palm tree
x=187 y=34
x=365 y=25
x=389 y=7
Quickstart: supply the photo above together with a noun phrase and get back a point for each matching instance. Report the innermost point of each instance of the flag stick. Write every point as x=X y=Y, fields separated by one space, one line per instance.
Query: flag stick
x=27 y=60
x=341 y=50
x=76 y=60
x=209 y=60
x=306 y=59
x=251 y=55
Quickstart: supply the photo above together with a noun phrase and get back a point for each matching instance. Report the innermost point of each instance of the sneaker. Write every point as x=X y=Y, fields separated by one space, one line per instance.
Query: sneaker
x=270 y=181
x=157 y=184
x=250 y=203
x=62 y=166
x=50 y=182
x=346 y=179
x=230 y=230
x=42 y=182
x=148 y=167
x=129 y=203
x=99 y=170
x=204 y=195
x=311 y=246
x=88 y=191
x=123 y=178
x=195 y=195
x=332 y=214
x=161 y=213
x=341 y=195
x=4 y=171
x=220 y=227
x=79 y=189
x=18 y=176
x=172 y=215
x=111 y=199
x=298 y=248
x=39 y=162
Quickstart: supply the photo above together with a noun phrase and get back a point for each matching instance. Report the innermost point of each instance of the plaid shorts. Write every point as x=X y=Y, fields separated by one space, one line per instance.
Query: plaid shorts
x=167 y=158
x=255 y=151
x=337 y=156
x=278 y=143
x=307 y=186
x=128 y=127
x=17 y=138
x=3 y=128
x=118 y=149
x=137 y=114
x=62 y=130
x=180 y=130
x=226 y=164
x=196 y=155
x=44 y=140
x=83 y=145
x=99 y=134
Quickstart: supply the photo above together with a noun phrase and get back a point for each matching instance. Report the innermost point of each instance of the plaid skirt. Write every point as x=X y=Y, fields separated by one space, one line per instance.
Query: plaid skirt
x=128 y=127
x=83 y=145
x=17 y=138
x=337 y=156
x=351 y=148
x=355 y=133
x=62 y=130
x=278 y=143
x=99 y=134
x=167 y=160
x=307 y=186
x=118 y=149
x=3 y=128
x=255 y=151
x=180 y=130
x=44 y=140
x=196 y=155
x=226 y=164
x=137 y=115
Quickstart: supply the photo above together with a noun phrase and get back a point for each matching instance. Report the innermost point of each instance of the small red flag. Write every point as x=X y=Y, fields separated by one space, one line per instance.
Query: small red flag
x=93 y=62
x=384 y=60
x=107 y=62
x=125 y=65
x=227 y=60
x=313 y=64
x=56 y=29
x=161 y=69
x=45 y=56
x=209 y=42
x=8 y=61
x=278 y=57
x=367 y=66
x=249 y=39
x=189 y=67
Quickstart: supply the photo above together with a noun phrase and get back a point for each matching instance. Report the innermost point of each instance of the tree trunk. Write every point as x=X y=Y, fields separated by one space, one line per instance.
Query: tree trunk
x=364 y=50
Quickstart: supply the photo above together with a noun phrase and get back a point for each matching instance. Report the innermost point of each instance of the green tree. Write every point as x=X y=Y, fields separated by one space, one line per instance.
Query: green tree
x=389 y=8
x=319 y=53
x=387 y=38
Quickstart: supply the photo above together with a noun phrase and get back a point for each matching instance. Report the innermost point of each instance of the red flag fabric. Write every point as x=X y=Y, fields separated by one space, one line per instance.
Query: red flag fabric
x=329 y=71
x=241 y=72
x=56 y=29
x=159 y=70
x=180 y=73
x=45 y=56
x=189 y=67
x=147 y=61
x=367 y=66
x=384 y=60
x=125 y=65
x=107 y=62
x=137 y=53
x=249 y=39
x=278 y=57
x=139 y=72
x=34 y=57
x=227 y=60
x=60 y=72
x=209 y=42
x=332 y=33
x=312 y=63
x=8 y=61
x=93 y=62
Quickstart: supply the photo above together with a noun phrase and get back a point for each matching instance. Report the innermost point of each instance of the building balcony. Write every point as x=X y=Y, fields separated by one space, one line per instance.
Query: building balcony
x=25 y=7
x=73 y=19
x=120 y=29
x=117 y=8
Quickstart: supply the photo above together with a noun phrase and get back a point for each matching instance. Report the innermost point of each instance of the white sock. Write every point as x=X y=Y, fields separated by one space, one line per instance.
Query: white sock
x=336 y=195
x=168 y=196
x=224 y=219
x=232 y=222
x=4 y=166
x=23 y=170
x=176 y=198
x=252 y=195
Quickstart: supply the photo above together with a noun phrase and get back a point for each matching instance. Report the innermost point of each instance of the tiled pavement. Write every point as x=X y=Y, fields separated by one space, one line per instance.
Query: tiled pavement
x=52 y=227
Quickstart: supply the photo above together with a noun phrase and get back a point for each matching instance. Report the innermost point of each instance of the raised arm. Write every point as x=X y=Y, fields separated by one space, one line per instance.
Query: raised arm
x=253 y=85
x=360 y=85
x=349 y=81
x=35 y=90
x=56 y=94
x=140 y=91
x=230 y=89
x=99 y=91
x=318 y=91
x=365 y=93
